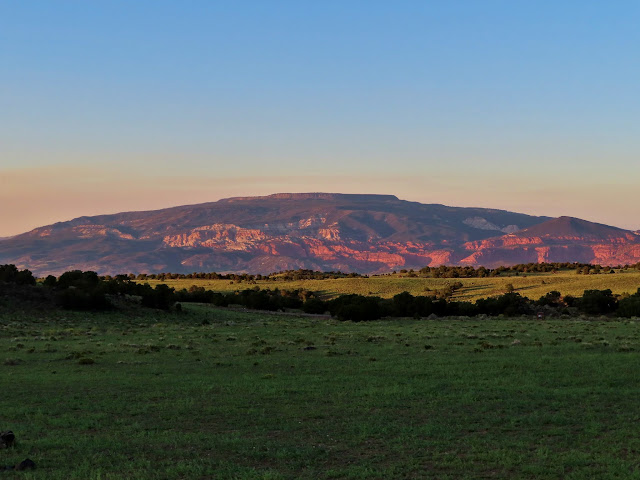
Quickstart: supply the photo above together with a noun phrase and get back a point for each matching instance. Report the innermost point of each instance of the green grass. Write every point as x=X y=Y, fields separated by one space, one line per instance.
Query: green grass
x=215 y=393
x=531 y=285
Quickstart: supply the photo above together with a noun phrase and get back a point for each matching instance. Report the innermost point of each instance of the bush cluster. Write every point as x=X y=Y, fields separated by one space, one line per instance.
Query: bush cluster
x=361 y=308
x=253 y=298
x=78 y=290
x=286 y=275
x=11 y=275
x=445 y=271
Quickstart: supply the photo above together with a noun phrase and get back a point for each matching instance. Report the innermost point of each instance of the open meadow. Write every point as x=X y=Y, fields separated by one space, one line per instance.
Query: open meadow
x=222 y=393
x=531 y=285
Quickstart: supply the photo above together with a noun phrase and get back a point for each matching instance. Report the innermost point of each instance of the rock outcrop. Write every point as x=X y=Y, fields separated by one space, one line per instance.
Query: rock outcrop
x=363 y=233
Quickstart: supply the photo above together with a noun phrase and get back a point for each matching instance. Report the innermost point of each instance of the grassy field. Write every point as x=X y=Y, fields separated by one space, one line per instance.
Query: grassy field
x=215 y=393
x=532 y=285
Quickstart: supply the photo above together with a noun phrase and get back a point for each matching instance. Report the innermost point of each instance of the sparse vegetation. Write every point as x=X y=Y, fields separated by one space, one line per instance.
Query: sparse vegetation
x=260 y=395
x=218 y=393
x=77 y=290
x=84 y=357
x=530 y=285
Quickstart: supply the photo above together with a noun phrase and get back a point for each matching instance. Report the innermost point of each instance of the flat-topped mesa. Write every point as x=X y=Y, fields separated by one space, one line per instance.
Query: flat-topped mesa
x=313 y=196
x=321 y=231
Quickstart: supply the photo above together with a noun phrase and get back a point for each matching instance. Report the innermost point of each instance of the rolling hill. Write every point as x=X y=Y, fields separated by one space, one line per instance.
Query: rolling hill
x=320 y=231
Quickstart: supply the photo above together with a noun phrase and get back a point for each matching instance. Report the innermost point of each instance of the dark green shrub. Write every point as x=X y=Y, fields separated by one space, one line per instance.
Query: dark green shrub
x=79 y=279
x=597 y=302
x=220 y=300
x=162 y=297
x=403 y=305
x=257 y=300
x=77 y=299
x=11 y=274
x=551 y=299
x=461 y=309
x=629 y=307
x=315 y=306
x=356 y=307
x=509 y=304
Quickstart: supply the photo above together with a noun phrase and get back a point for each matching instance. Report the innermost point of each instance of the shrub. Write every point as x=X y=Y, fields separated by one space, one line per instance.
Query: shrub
x=77 y=299
x=552 y=299
x=629 y=307
x=258 y=300
x=11 y=274
x=597 y=302
x=461 y=309
x=403 y=305
x=79 y=279
x=509 y=304
x=162 y=297
x=356 y=307
x=315 y=306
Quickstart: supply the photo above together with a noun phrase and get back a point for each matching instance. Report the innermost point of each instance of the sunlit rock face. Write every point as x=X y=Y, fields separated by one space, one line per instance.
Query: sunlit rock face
x=563 y=239
x=320 y=231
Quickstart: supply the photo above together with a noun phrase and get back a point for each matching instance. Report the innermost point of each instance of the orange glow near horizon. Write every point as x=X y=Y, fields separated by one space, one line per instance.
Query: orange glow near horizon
x=40 y=196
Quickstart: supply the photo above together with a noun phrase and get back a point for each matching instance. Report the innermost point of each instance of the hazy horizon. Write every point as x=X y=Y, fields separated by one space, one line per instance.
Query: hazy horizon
x=283 y=192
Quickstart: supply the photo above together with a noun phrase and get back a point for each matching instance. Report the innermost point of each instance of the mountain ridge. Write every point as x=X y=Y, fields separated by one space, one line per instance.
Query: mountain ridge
x=366 y=233
x=569 y=226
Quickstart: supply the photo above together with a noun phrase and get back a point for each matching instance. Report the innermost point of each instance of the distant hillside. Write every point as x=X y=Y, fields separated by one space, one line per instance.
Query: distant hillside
x=320 y=231
x=563 y=239
x=569 y=227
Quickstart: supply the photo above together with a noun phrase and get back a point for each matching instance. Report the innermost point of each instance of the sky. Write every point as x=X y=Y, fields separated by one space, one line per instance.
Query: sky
x=109 y=106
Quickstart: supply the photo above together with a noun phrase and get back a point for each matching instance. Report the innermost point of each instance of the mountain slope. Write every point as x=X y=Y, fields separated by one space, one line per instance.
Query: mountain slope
x=563 y=239
x=364 y=233
x=575 y=228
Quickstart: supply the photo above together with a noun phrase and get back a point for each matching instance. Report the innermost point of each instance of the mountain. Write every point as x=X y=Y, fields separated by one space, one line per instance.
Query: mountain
x=563 y=239
x=575 y=228
x=320 y=231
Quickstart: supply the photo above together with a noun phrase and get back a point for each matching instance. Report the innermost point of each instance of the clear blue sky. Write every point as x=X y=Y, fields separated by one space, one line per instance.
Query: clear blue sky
x=113 y=105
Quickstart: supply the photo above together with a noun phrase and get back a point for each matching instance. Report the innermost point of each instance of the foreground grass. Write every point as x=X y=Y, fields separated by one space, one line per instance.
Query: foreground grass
x=215 y=393
x=532 y=286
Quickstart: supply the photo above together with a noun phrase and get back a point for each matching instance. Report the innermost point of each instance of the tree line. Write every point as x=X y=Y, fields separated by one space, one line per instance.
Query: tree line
x=80 y=290
x=445 y=271
x=86 y=290
x=442 y=271
x=284 y=275
x=592 y=302
x=362 y=308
